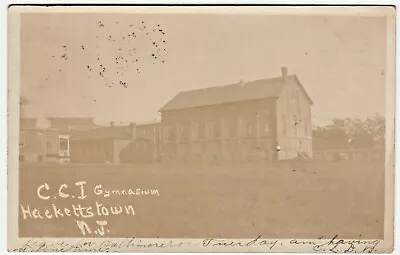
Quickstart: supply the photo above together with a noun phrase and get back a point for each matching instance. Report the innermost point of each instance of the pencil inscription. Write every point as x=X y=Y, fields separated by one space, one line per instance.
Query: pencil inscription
x=335 y=245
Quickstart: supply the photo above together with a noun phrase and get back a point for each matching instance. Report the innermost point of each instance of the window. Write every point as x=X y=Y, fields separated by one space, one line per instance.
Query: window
x=265 y=128
x=295 y=125
x=217 y=129
x=201 y=130
x=184 y=131
x=165 y=133
x=305 y=127
x=211 y=130
x=283 y=124
x=250 y=128
x=195 y=130
x=64 y=143
x=168 y=133
x=263 y=119
x=240 y=127
x=232 y=126
x=21 y=139
x=172 y=134
x=224 y=128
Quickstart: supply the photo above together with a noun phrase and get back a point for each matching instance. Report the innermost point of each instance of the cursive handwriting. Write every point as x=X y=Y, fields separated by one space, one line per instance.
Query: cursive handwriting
x=229 y=243
x=334 y=245
x=108 y=245
x=337 y=245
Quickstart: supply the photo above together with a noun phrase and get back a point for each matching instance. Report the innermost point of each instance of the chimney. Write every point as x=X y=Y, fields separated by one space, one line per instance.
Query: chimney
x=284 y=73
x=132 y=125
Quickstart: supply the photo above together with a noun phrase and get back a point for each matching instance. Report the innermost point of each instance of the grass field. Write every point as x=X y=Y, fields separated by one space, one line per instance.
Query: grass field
x=241 y=201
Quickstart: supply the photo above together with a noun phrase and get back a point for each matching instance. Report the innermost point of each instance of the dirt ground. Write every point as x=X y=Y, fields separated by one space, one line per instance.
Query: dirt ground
x=197 y=201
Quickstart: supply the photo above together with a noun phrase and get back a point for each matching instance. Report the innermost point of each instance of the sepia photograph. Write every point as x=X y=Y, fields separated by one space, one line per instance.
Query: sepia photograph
x=267 y=129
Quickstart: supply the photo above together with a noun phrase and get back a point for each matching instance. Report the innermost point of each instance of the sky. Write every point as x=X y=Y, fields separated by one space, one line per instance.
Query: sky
x=125 y=67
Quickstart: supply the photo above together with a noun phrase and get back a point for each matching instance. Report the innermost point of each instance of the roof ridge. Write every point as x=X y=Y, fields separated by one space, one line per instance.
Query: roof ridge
x=237 y=83
x=235 y=92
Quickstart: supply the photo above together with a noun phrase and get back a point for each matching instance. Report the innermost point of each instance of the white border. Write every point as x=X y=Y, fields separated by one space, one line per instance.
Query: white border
x=389 y=93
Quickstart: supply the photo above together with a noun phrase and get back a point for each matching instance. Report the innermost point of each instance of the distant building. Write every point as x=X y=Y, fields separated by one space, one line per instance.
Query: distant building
x=116 y=144
x=243 y=121
x=65 y=124
x=27 y=123
x=100 y=145
x=48 y=144
x=23 y=102
x=147 y=146
x=37 y=144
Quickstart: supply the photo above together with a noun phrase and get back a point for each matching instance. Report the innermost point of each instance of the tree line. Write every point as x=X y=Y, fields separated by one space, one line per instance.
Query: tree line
x=351 y=133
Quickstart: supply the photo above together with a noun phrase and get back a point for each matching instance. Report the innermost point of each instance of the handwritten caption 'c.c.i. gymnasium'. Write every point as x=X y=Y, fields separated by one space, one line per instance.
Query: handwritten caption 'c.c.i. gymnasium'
x=62 y=203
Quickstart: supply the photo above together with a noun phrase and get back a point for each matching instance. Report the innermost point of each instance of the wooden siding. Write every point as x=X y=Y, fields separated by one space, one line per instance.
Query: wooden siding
x=294 y=107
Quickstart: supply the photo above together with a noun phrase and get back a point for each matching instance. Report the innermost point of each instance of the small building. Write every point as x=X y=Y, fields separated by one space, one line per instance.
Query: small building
x=147 y=146
x=38 y=144
x=99 y=145
x=35 y=144
x=65 y=125
x=116 y=144
x=27 y=123
x=268 y=119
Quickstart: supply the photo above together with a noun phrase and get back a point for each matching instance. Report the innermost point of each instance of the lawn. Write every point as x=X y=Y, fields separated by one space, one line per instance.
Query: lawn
x=238 y=201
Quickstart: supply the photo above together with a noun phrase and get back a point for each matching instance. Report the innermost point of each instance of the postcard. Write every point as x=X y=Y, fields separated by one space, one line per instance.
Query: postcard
x=201 y=129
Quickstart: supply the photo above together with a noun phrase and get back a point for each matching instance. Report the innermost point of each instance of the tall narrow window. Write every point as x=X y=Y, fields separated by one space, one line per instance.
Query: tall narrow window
x=305 y=127
x=240 y=127
x=166 y=133
x=185 y=131
x=21 y=139
x=224 y=128
x=169 y=132
x=249 y=128
x=265 y=128
x=217 y=129
x=195 y=130
x=295 y=125
x=232 y=128
x=211 y=130
x=201 y=130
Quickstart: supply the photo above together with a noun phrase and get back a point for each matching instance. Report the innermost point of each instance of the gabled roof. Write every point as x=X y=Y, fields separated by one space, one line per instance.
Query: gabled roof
x=244 y=91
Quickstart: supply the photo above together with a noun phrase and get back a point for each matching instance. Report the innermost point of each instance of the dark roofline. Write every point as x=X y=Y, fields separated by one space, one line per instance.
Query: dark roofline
x=40 y=129
x=70 y=118
x=162 y=109
x=238 y=101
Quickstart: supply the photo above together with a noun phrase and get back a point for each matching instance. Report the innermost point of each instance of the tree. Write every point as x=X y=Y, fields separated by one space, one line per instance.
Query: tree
x=354 y=132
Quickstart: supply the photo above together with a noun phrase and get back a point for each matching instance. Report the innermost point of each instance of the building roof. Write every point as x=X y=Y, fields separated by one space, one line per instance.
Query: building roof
x=39 y=129
x=121 y=133
x=242 y=91
x=147 y=123
x=72 y=121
